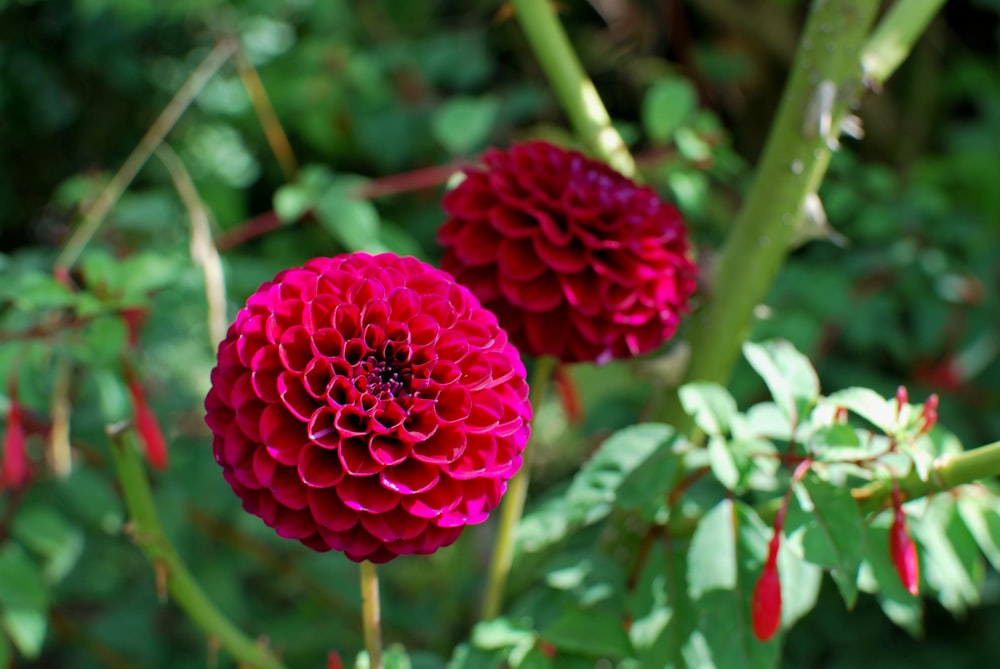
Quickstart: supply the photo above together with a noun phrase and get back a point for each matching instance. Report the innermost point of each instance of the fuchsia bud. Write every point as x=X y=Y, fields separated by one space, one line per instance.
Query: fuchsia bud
x=333 y=660
x=146 y=425
x=902 y=397
x=765 y=607
x=902 y=550
x=14 y=472
x=568 y=395
x=840 y=416
x=929 y=413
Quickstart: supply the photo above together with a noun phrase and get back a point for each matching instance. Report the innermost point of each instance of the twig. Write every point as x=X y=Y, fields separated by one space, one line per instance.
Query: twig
x=98 y=211
x=273 y=131
x=203 y=251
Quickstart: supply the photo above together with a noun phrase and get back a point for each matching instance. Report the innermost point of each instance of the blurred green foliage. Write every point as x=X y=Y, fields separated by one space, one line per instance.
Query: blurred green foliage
x=369 y=90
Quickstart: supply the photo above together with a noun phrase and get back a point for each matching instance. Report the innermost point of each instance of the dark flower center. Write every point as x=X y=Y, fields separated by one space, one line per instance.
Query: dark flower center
x=383 y=378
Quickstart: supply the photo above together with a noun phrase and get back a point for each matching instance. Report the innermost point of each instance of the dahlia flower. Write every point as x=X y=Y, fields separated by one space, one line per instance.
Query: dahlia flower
x=576 y=260
x=368 y=404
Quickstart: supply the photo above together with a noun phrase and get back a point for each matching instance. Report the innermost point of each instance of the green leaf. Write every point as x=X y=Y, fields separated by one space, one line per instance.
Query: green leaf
x=788 y=374
x=726 y=555
x=592 y=494
x=868 y=404
x=710 y=404
x=469 y=657
x=980 y=516
x=723 y=465
x=646 y=487
x=23 y=601
x=463 y=124
x=950 y=559
x=26 y=628
x=662 y=617
x=352 y=222
x=292 y=201
x=37 y=290
x=832 y=533
x=597 y=632
x=44 y=531
x=668 y=104
x=532 y=657
x=879 y=577
x=499 y=633
x=5 y=655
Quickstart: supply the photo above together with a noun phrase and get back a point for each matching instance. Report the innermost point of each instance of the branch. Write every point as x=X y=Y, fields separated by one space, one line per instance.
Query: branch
x=148 y=534
x=164 y=123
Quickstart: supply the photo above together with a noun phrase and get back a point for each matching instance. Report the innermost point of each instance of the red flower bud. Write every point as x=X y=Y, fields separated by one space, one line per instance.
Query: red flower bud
x=902 y=550
x=765 y=607
x=333 y=660
x=568 y=395
x=147 y=426
x=929 y=413
x=547 y=648
x=840 y=416
x=902 y=397
x=14 y=472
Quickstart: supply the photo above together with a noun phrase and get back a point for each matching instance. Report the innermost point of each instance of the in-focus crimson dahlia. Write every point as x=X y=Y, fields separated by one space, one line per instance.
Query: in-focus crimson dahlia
x=576 y=260
x=368 y=404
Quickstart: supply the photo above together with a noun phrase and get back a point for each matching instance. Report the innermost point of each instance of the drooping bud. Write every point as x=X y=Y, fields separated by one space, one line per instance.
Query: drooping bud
x=568 y=395
x=765 y=607
x=146 y=425
x=14 y=468
x=14 y=471
x=902 y=549
x=929 y=414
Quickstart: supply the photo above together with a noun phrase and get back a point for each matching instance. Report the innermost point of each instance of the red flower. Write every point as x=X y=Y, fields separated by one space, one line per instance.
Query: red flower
x=765 y=603
x=576 y=260
x=14 y=469
x=368 y=404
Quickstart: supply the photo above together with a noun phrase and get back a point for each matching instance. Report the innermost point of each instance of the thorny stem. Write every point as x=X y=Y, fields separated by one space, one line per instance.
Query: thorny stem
x=371 y=617
x=575 y=90
x=149 y=535
x=825 y=75
x=164 y=123
x=512 y=507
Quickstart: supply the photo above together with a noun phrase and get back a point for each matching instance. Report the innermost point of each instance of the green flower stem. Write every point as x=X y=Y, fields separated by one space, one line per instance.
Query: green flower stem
x=825 y=76
x=148 y=533
x=575 y=90
x=512 y=507
x=892 y=39
x=371 y=616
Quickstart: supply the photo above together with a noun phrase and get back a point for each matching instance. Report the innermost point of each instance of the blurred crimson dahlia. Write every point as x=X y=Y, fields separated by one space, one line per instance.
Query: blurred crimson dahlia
x=576 y=260
x=368 y=404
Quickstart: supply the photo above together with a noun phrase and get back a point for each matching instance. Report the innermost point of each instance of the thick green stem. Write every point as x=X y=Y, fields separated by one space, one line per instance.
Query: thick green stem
x=371 y=616
x=148 y=533
x=575 y=90
x=512 y=507
x=824 y=78
x=895 y=35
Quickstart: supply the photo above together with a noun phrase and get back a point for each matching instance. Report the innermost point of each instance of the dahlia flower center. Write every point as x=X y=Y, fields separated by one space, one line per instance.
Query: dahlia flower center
x=383 y=379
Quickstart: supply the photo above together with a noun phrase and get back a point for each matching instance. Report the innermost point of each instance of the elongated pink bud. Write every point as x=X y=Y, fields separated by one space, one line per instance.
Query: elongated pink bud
x=147 y=426
x=765 y=606
x=902 y=397
x=929 y=413
x=14 y=472
x=333 y=660
x=902 y=550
